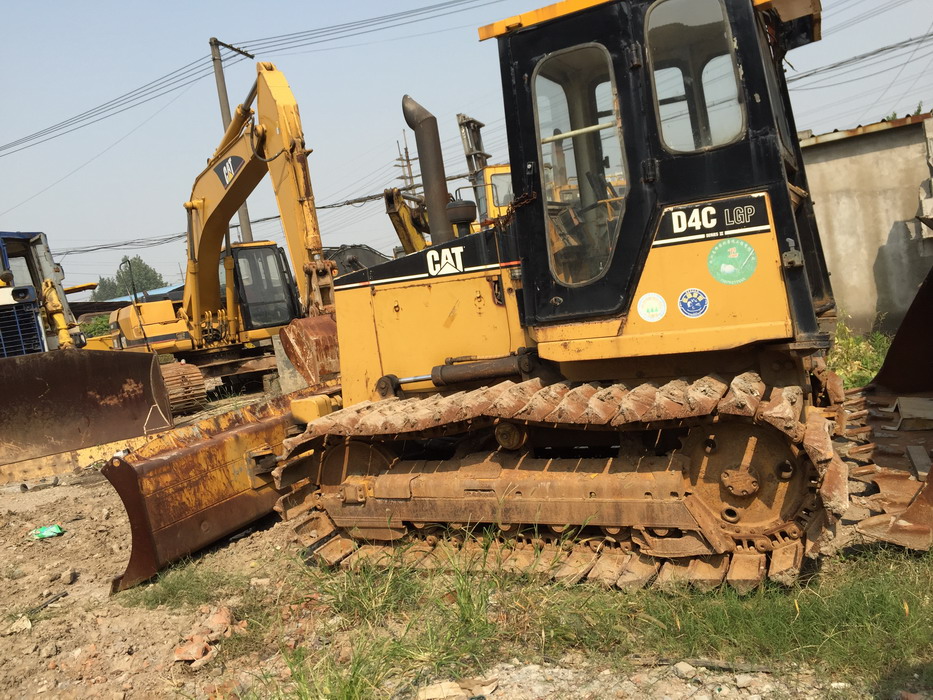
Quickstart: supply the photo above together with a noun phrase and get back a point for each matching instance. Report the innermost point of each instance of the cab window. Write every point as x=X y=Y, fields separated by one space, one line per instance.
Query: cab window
x=696 y=85
x=501 y=189
x=583 y=173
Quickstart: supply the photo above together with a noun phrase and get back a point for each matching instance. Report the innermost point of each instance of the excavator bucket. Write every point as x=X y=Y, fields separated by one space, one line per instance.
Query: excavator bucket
x=67 y=408
x=191 y=486
x=311 y=346
x=905 y=384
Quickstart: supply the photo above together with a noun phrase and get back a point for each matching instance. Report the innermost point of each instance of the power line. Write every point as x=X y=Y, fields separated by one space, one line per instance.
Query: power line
x=154 y=241
x=201 y=68
x=867 y=15
x=888 y=86
x=852 y=60
x=96 y=155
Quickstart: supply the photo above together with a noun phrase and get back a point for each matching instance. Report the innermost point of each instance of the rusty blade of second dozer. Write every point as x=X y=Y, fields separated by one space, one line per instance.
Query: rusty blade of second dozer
x=191 y=486
x=66 y=400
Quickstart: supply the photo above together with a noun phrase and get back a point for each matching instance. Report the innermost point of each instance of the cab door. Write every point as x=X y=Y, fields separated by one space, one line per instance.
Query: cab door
x=582 y=166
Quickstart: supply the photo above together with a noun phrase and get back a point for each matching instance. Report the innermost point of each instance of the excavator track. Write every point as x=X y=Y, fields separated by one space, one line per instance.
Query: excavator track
x=704 y=481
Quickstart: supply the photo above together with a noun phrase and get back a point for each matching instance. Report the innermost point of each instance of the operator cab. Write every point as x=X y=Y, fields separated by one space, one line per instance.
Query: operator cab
x=264 y=285
x=624 y=110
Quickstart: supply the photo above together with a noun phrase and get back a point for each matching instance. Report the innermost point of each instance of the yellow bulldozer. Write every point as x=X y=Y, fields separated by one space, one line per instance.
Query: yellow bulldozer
x=623 y=378
x=64 y=404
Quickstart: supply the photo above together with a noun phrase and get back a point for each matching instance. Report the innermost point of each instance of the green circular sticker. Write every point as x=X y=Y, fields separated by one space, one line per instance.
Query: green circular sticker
x=732 y=261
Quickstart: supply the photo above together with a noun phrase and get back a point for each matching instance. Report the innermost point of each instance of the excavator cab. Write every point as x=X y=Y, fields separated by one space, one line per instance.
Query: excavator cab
x=265 y=289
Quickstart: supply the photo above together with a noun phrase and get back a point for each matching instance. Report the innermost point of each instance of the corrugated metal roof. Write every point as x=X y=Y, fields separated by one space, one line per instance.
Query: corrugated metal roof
x=807 y=138
x=161 y=291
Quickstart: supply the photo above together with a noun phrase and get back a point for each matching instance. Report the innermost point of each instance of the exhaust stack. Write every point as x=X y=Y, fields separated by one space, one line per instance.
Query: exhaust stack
x=433 y=175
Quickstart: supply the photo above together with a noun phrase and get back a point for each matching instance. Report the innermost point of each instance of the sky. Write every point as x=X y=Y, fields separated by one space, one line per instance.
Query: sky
x=127 y=176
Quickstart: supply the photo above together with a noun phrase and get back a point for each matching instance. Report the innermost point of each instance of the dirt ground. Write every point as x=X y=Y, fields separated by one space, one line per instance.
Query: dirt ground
x=89 y=644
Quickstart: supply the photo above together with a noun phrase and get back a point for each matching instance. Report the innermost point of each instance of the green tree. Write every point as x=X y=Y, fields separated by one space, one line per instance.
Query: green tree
x=144 y=277
x=99 y=325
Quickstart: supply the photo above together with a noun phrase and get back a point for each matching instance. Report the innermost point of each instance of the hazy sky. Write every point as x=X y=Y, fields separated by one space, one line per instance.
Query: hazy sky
x=127 y=176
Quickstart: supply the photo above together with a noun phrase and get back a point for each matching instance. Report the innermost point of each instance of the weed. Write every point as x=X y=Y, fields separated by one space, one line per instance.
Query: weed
x=866 y=618
x=259 y=612
x=367 y=592
x=186 y=584
x=368 y=667
x=857 y=358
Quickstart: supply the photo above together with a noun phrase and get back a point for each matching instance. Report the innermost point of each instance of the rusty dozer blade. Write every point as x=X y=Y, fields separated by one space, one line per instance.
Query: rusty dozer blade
x=907 y=371
x=61 y=402
x=191 y=486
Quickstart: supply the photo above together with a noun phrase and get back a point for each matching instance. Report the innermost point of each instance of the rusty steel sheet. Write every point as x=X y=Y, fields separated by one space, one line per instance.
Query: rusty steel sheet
x=67 y=400
x=196 y=484
x=311 y=346
x=911 y=528
x=907 y=367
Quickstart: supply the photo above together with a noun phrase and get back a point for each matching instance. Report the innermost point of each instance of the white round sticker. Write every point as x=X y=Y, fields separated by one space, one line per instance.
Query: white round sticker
x=652 y=307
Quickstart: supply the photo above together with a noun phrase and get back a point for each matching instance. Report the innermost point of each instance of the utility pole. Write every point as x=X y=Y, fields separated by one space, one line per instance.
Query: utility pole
x=404 y=162
x=246 y=232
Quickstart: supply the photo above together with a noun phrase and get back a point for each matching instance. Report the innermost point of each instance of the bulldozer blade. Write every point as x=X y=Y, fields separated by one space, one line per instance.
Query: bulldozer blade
x=907 y=371
x=196 y=484
x=60 y=402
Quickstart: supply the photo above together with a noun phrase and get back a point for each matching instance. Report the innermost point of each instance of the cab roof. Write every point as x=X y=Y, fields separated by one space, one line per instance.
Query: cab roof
x=789 y=11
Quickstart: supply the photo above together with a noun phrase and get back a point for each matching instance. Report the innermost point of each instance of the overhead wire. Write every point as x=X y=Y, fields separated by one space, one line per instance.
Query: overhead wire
x=865 y=16
x=202 y=67
x=96 y=155
x=887 y=87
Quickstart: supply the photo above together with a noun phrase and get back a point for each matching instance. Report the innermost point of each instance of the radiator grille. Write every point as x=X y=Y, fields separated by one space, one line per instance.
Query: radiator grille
x=19 y=330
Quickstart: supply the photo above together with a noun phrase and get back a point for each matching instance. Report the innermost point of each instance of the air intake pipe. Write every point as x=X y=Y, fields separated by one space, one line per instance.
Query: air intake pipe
x=433 y=176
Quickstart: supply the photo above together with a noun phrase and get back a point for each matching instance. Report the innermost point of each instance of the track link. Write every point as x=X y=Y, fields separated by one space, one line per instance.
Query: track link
x=712 y=515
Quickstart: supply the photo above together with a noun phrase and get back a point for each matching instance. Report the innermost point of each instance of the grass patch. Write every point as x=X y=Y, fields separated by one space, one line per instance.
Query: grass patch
x=857 y=358
x=867 y=619
x=367 y=594
x=864 y=616
x=186 y=584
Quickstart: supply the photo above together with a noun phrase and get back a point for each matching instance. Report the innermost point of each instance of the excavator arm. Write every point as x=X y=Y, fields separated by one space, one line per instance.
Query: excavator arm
x=409 y=222
x=267 y=139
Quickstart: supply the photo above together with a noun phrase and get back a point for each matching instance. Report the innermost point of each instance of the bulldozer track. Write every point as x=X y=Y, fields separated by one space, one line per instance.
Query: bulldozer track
x=748 y=509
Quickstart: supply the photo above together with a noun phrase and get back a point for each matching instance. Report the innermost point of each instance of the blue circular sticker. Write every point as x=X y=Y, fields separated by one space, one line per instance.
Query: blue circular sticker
x=693 y=303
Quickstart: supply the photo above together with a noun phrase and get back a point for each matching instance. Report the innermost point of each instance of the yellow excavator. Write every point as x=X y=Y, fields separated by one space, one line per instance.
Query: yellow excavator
x=624 y=378
x=238 y=296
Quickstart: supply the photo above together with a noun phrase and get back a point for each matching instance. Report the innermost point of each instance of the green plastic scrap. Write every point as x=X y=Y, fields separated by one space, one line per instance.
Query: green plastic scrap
x=40 y=533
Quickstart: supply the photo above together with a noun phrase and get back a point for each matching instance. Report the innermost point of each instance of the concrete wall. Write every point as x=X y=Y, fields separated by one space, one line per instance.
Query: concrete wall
x=868 y=187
